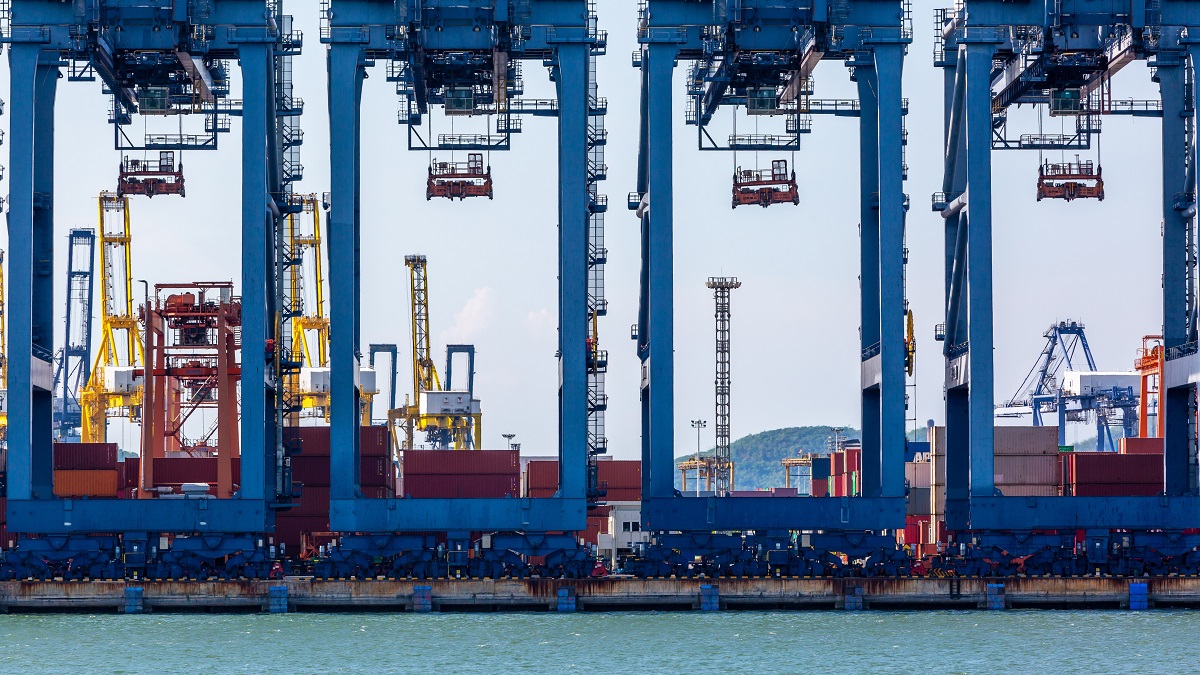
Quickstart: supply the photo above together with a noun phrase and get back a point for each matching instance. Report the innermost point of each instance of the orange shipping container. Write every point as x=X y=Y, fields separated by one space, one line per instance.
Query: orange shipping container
x=85 y=483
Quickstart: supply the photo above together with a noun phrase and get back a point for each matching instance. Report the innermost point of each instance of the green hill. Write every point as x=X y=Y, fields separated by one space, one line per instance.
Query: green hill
x=756 y=457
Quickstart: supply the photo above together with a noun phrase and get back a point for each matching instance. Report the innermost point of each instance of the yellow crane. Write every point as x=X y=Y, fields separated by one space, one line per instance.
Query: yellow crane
x=309 y=322
x=115 y=386
x=449 y=418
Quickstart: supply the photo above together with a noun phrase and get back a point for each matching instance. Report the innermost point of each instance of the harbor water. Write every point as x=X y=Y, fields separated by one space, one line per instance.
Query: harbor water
x=1040 y=641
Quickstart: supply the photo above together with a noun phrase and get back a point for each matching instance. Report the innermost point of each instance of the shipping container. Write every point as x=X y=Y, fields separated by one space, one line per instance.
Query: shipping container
x=918 y=502
x=373 y=441
x=918 y=474
x=853 y=460
x=75 y=456
x=820 y=487
x=314 y=501
x=460 y=462
x=1141 y=446
x=1116 y=489
x=435 y=486
x=838 y=464
x=1113 y=468
x=623 y=494
x=1010 y=441
x=131 y=471
x=1028 y=490
x=177 y=470
x=620 y=476
x=86 y=483
x=1026 y=469
x=820 y=468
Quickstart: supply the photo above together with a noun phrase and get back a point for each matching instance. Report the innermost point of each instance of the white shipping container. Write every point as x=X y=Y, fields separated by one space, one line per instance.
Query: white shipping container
x=1091 y=382
x=447 y=403
x=1026 y=470
x=1028 y=490
x=918 y=474
x=314 y=380
x=122 y=380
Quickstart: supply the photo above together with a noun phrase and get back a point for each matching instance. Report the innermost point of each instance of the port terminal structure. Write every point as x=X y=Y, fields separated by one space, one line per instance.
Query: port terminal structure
x=162 y=58
x=995 y=55
x=466 y=57
x=761 y=58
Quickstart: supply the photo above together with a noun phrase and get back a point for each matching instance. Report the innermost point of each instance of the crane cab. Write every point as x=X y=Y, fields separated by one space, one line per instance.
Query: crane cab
x=459 y=180
x=765 y=186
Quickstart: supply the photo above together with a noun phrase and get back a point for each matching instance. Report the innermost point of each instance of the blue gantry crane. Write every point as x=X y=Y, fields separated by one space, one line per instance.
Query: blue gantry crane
x=163 y=57
x=466 y=57
x=74 y=359
x=758 y=56
x=1043 y=391
x=996 y=55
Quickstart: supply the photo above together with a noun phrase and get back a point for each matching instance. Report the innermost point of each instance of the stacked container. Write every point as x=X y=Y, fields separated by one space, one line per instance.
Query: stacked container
x=457 y=474
x=820 y=477
x=85 y=470
x=844 y=471
x=1108 y=474
x=620 y=477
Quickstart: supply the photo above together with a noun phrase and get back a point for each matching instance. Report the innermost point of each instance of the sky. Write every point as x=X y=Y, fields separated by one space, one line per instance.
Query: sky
x=795 y=319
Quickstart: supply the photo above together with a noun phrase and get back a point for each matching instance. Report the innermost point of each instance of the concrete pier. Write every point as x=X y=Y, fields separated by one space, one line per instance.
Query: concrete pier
x=609 y=594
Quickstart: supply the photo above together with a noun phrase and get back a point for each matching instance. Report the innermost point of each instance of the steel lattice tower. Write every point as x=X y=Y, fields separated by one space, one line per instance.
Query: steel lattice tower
x=721 y=467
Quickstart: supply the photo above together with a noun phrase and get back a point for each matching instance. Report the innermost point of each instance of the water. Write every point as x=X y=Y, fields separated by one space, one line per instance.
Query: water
x=1016 y=641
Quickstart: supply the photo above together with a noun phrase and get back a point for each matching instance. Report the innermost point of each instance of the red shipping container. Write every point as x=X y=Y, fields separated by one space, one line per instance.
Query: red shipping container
x=542 y=493
x=785 y=492
x=541 y=474
x=1116 y=489
x=820 y=487
x=853 y=459
x=314 y=501
x=91 y=456
x=131 y=471
x=176 y=470
x=1141 y=446
x=468 y=486
x=383 y=492
x=288 y=529
x=623 y=494
x=838 y=465
x=461 y=462
x=620 y=473
x=1110 y=467
x=373 y=441
x=600 y=512
x=594 y=528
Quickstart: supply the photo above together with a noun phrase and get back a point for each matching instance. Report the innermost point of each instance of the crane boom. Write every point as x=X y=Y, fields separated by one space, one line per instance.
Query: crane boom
x=425 y=376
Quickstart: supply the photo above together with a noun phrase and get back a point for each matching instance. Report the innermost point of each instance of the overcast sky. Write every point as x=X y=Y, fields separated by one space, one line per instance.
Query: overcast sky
x=795 y=319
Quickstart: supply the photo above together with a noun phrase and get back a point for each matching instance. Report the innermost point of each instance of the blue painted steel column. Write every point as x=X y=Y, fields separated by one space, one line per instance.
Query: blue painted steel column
x=869 y=292
x=23 y=113
x=643 y=323
x=1174 y=405
x=257 y=265
x=889 y=70
x=956 y=476
x=572 y=268
x=979 y=266
x=660 y=362
x=345 y=94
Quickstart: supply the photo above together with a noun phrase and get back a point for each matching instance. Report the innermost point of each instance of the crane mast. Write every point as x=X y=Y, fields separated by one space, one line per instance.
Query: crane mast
x=115 y=388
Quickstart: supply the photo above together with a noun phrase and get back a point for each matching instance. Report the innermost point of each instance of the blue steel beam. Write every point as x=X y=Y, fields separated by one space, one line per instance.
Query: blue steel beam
x=741 y=50
x=442 y=39
x=45 y=37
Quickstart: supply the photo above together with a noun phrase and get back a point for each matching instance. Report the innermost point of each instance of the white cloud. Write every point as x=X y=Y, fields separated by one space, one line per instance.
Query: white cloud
x=473 y=319
x=541 y=324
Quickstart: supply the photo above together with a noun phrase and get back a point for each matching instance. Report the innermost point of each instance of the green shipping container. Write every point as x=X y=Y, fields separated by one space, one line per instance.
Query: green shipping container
x=1066 y=448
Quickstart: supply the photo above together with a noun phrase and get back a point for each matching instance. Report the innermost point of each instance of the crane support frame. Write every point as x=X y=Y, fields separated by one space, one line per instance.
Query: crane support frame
x=776 y=44
x=44 y=38
x=560 y=33
x=1034 y=42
